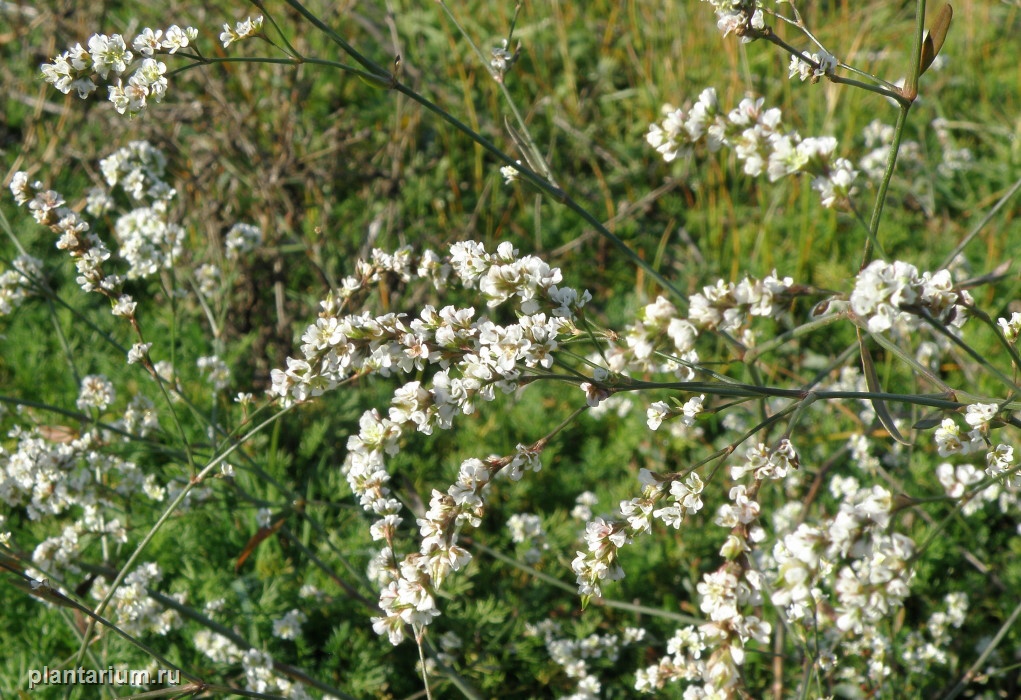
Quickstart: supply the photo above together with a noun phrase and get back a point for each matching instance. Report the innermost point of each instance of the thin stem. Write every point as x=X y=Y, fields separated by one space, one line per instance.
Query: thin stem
x=915 y=71
x=980 y=225
x=381 y=78
x=769 y=35
x=557 y=583
x=129 y=564
x=199 y=61
x=51 y=595
x=532 y=155
x=799 y=23
x=269 y=16
x=540 y=182
x=375 y=70
x=989 y=649
x=421 y=661
x=975 y=355
x=884 y=185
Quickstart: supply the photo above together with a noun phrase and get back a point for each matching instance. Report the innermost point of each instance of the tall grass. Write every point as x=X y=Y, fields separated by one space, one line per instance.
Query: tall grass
x=331 y=168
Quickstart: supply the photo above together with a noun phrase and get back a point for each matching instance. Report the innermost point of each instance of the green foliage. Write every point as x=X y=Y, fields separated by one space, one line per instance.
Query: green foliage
x=330 y=168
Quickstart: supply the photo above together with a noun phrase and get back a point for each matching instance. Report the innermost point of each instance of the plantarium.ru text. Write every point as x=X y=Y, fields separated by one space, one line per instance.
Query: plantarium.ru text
x=582 y=350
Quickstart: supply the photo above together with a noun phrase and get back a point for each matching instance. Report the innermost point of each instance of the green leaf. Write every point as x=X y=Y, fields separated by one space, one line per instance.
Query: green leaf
x=935 y=37
x=872 y=380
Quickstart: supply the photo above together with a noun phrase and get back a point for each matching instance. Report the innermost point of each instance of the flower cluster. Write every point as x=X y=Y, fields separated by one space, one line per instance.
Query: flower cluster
x=966 y=482
x=96 y=392
x=510 y=173
x=763 y=462
x=1011 y=327
x=821 y=64
x=759 y=142
x=839 y=606
x=928 y=646
x=407 y=597
x=248 y=27
x=888 y=295
x=289 y=626
x=662 y=340
x=959 y=483
x=241 y=239
x=134 y=610
x=19 y=282
x=49 y=209
x=471 y=358
x=503 y=59
x=709 y=657
x=474 y=356
x=661 y=410
x=47 y=477
x=148 y=241
x=741 y=17
x=257 y=665
x=62 y=474
x=526 y=529
x=217 y=369
x=108 y=58
x=668 y=500
x=216 y=647
x=948 y=436
x=576 y=656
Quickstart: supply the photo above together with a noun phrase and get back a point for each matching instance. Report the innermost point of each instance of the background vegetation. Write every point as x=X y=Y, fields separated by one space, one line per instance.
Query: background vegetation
x=330 y=167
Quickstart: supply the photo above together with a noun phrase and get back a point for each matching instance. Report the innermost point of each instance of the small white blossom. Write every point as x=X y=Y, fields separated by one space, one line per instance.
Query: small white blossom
x=96 y=392
x=176 y=38
x=289 y=626
x=241 y=239
x=510 y=173
x=241 y=30
x=138 y=352
x=657 y=413
x=1011 y=328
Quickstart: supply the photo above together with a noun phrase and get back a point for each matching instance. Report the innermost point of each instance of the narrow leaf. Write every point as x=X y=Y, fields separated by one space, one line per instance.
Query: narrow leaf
x=997 y=275
x=533 y=159
x=872 y=381
x=262 y=534
x=929 y=421
x=935 y=37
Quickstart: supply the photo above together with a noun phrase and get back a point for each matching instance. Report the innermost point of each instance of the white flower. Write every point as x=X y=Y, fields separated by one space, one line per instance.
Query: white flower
x=138 y=352
x=510 y=173
x=96 y=392
x=241 y=30
x=825 y=62
x=978 y=415
x=583 y=508
x=948 y=438
x=691 y=408
x=502 y=58
x=999 y=460
x=240 y=239
x=656 y=413
x=177 y=38
x=148 y=42
x=289 y=626
x=594 y=395
x=718 y=590
x=109 y=53
x=1011 y=329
